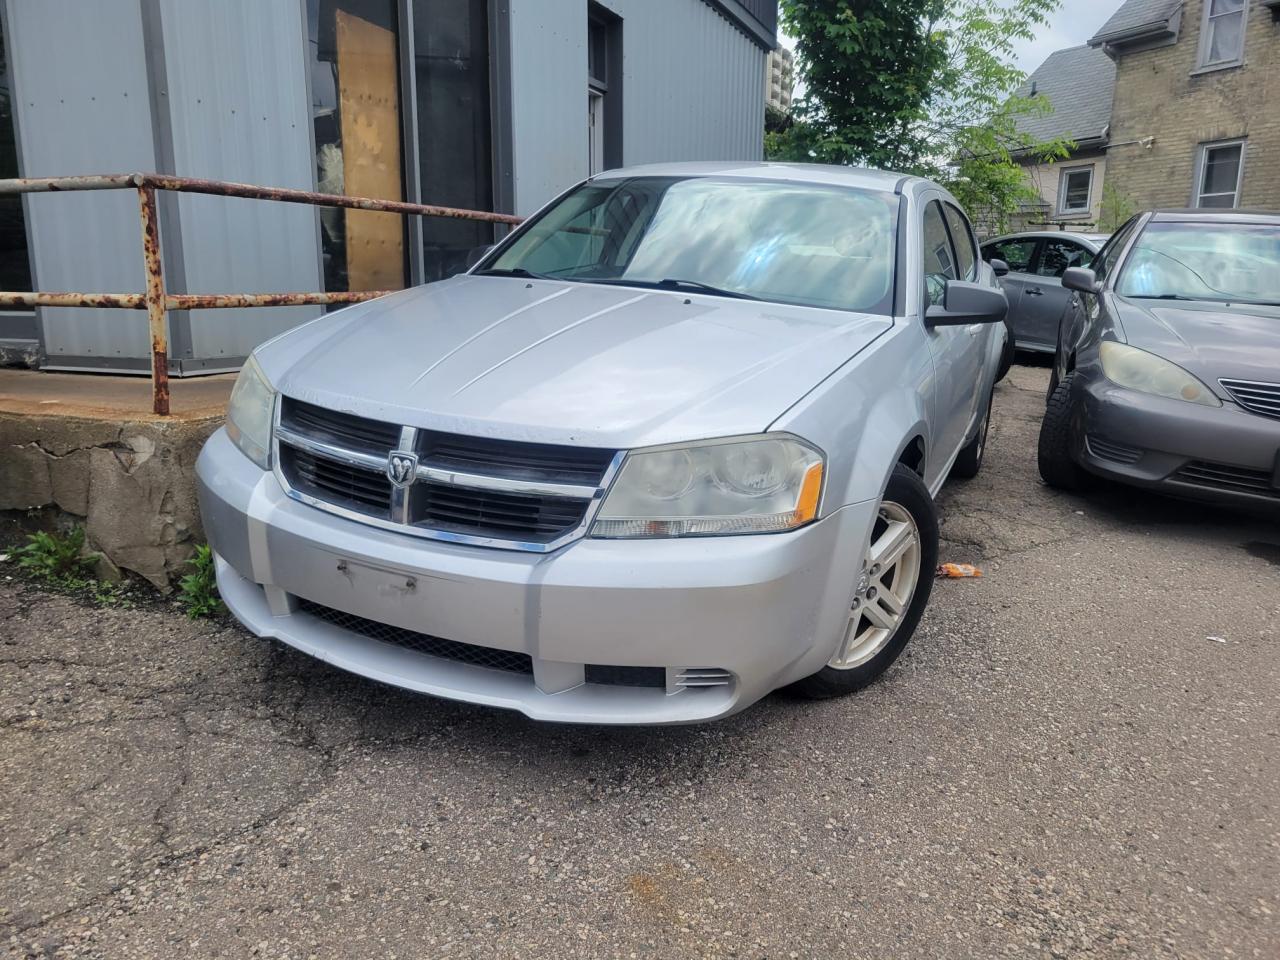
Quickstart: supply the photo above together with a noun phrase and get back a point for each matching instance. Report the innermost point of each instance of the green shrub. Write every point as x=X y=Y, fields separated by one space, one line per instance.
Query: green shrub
x=198 y=590
x=59 y=559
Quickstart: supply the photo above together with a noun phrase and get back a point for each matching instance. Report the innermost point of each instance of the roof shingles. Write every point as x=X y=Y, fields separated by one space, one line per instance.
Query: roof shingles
x=1079 y=83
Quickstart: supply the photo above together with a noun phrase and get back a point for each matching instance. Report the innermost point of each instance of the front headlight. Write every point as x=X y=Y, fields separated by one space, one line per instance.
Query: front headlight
x=764 y=484
x=1139 y=370
x=249 y=414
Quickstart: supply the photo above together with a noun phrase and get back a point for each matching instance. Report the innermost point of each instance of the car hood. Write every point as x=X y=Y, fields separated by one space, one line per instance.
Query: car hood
x=570 y=363
x=1208 y=339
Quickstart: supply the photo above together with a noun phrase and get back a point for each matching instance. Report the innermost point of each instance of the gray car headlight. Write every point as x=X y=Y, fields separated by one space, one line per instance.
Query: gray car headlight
x=249 y=414
x=1145 y=372
x=764 y=484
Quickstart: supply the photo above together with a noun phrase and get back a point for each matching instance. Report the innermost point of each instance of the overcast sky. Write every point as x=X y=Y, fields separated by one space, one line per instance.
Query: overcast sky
x=1074 y=23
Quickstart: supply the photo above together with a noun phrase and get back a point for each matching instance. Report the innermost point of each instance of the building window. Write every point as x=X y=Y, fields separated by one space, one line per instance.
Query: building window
x=604 y=96
x=15 y=263
x=1222 y=32
x=1075 y=190
x=451 y=60
x=355 y=106
x=1219 y=173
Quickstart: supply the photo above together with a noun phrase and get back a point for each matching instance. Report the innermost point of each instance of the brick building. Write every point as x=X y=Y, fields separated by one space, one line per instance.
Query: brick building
x=1196 y=116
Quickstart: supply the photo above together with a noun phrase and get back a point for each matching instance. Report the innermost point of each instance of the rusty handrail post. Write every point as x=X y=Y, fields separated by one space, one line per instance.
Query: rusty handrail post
x=155 y=299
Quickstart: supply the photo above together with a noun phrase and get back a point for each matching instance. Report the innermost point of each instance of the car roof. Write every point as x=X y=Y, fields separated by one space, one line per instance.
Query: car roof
x=1088 y=238
x=1215 y=216
x=819 y=173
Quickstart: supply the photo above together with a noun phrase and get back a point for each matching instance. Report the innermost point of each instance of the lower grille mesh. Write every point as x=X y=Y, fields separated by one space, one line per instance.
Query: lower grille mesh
x=421 y=642
x=1224 y=477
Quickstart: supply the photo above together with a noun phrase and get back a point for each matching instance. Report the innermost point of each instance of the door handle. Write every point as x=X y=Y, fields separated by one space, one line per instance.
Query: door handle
x=1034 y=292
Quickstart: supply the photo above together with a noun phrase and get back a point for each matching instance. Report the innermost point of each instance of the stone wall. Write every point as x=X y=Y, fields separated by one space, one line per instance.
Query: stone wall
x=1160 y=95
x=131 y=484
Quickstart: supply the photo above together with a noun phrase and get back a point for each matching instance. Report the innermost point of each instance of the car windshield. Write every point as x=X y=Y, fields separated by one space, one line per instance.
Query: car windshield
x=800 y=243
x=1224 y=262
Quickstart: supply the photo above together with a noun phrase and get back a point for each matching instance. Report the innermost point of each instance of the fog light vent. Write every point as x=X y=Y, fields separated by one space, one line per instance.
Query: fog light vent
x=692 y=677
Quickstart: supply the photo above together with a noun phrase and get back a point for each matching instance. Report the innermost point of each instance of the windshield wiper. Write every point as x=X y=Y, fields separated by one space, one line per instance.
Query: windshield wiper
x=512 y=272
x=1242 y=301
x=1161 y=296
x=674 y=283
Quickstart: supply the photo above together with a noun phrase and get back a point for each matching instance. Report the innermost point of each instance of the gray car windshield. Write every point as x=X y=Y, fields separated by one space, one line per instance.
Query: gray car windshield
x=800 y=243
x=1225 y=262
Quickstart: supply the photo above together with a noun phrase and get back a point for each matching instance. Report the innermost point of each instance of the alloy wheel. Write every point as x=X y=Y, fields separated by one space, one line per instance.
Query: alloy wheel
x=890 y=574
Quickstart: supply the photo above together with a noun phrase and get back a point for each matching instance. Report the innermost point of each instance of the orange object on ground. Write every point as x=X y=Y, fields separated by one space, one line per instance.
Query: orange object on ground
x=958 y=570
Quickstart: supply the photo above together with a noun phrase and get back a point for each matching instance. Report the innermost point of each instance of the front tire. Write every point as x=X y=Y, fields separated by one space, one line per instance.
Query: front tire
x=892 y=590
x=1053 y=452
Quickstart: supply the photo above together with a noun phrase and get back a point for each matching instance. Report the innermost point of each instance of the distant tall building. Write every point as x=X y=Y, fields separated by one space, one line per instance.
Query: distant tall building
x=780 y=79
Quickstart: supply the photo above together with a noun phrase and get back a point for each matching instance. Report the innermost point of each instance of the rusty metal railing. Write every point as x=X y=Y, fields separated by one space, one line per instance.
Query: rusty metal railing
x=155 y=300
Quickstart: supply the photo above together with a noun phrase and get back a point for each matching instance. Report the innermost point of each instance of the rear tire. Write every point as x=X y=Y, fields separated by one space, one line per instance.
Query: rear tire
x=866 y=648
x=1006 y=359
x=1053 y=453
x=969 y=462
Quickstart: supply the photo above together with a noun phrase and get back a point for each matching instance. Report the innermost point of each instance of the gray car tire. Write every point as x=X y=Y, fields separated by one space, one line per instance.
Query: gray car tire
x=907 y=491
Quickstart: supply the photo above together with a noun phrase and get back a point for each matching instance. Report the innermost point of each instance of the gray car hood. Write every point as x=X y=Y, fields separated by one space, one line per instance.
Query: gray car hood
x=1208 y=339
x=571 y=363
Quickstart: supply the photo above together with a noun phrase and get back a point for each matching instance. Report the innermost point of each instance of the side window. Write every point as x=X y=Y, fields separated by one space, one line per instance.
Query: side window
x=1018 y=254
x=1057 y=255
x=962 y=237
x=939 y=256
x=1107 y=256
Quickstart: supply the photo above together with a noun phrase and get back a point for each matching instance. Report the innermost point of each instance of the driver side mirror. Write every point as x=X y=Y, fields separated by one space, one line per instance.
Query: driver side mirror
x=1081 y=279
x=965 y=303
x=999 y=267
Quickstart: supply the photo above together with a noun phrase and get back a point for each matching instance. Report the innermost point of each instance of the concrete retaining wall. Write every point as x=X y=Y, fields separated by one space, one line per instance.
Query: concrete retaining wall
x=132 y=484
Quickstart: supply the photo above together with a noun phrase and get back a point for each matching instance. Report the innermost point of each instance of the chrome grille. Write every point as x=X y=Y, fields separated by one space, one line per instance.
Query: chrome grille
x=502 y=493
x=1260 y=398
x=1221 y=476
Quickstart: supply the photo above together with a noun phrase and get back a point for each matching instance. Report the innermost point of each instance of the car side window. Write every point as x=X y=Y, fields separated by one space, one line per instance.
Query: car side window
x=962 y=238
x=1108 y=255
x=1057 y=255
x=939 y=256
x=1018 y=254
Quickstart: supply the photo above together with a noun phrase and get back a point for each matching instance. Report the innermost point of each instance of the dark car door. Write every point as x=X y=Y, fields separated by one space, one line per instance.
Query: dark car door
x=1044 y=299
x=1020 y=254
x=1082 y=309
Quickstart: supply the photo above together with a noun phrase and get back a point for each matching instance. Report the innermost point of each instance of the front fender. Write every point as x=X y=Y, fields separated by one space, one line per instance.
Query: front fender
x=867 y=413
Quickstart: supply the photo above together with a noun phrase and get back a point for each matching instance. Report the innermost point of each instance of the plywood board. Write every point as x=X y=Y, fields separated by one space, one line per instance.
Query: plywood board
x=369 y=107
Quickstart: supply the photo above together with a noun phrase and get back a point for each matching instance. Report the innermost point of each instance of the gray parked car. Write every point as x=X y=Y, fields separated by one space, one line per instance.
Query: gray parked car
x=1167 y=372
x=1037 y=299
x=672 y=445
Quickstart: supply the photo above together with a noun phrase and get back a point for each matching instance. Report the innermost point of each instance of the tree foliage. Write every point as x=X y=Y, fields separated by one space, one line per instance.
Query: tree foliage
x=918 y=86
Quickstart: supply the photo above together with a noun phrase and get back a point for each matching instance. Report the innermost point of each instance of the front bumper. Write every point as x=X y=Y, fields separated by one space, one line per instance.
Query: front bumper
x=1223 y=454
x=763 y=610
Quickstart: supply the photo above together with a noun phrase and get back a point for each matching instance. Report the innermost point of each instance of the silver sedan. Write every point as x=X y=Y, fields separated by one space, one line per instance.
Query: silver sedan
x=672 y=445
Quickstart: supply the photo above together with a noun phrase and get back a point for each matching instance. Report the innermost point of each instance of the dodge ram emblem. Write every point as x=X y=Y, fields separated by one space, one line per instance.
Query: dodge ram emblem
x=402 y=468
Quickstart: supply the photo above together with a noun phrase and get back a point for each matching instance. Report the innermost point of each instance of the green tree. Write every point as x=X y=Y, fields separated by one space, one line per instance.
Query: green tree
x=919 y=86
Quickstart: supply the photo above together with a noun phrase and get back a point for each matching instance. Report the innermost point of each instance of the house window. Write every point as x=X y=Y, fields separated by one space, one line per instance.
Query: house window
x=1222 y=33
x=1219 y=173
x=1075 y=190
x=604 y=89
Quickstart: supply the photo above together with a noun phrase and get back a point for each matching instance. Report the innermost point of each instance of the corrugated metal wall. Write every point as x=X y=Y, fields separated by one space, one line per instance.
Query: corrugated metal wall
x=238 y=110
x=693 y=89
x=80 y=97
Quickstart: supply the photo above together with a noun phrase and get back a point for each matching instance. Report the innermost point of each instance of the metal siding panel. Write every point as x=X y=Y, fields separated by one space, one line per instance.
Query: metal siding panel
x=548 y=98
x=238 y=108
x=694 y=84
x=80 y=87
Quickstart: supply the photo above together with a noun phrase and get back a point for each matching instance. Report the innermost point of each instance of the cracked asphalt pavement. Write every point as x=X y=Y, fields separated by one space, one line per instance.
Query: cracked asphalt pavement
x=1061 y=765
